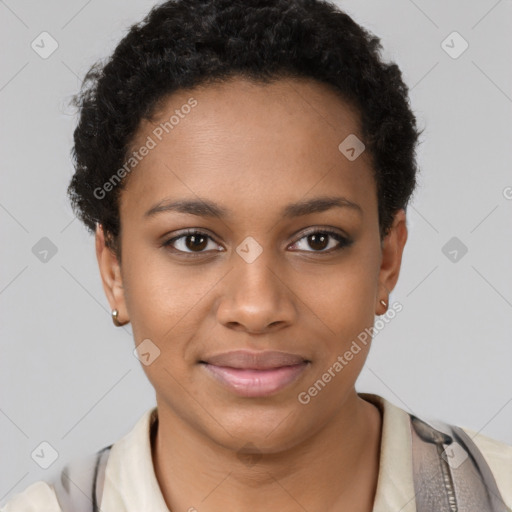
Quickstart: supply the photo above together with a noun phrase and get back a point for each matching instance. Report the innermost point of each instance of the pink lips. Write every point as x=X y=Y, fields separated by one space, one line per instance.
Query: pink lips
x=254 y=374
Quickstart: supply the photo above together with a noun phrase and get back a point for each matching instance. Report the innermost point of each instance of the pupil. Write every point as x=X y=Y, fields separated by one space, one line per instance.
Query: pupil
x=194 y=244
x=313 y=239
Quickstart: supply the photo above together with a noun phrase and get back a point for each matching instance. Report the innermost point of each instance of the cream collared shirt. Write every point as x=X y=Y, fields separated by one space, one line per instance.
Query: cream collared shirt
x=131 y=484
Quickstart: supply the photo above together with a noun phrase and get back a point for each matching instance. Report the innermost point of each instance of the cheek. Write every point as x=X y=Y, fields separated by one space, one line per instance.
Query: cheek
x=162 y=303
x=346 y=310
x=343 y=299
x=159 y=294
x=167 y=304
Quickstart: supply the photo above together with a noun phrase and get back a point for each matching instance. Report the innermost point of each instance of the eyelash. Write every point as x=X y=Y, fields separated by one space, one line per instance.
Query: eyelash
x=342 y=241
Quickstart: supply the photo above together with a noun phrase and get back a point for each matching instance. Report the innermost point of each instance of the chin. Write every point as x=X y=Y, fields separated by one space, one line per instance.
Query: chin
x=262 y=428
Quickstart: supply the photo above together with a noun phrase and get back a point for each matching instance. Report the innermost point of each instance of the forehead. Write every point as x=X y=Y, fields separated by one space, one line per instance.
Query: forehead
x=275 y=140
x=262 y=109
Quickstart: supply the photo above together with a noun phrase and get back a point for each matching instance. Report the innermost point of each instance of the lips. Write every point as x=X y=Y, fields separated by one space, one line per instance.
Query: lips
x=254 y=374
x=262 y=360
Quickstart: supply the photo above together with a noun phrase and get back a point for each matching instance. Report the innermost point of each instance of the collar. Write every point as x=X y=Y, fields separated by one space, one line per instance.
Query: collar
x=395 y=484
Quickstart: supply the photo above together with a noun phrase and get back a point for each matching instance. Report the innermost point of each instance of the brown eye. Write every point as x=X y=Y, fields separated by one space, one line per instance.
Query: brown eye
x=319 y=240
x=197 y=242
x=189 y=242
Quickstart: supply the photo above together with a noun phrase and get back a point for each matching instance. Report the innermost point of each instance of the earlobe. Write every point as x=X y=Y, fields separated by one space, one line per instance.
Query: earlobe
x=111 y=277
x=392 y=250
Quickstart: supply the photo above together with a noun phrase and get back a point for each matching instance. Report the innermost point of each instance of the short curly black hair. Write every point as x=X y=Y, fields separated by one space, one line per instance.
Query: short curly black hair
x=185 y=43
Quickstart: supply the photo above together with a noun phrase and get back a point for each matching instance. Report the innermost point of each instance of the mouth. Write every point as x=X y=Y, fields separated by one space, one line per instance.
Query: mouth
x=255 y=374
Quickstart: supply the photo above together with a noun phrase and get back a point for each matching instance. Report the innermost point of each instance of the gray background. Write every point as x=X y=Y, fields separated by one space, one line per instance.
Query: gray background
x=69 y=377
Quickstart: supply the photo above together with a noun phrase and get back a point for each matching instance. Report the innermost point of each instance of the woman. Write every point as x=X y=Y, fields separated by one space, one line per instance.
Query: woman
x=246 y=168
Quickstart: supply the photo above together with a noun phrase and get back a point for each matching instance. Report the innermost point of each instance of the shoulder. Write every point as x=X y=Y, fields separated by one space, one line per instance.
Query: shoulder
x=45 y=495
x=36 y=497
x=498 y=456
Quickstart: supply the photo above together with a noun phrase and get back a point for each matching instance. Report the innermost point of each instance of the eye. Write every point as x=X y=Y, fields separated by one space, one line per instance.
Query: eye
x=193 y=241
x=190 y=242
x=318 y=239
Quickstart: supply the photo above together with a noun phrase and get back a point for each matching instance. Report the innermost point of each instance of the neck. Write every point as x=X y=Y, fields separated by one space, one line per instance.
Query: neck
x=341 y=460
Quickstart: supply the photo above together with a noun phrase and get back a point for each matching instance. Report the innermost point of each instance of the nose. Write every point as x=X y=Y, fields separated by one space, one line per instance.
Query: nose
x=255 y=297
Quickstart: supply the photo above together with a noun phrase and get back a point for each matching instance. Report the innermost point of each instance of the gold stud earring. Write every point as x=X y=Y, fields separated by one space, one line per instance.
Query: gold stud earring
x=384 y=303
x=115 y=319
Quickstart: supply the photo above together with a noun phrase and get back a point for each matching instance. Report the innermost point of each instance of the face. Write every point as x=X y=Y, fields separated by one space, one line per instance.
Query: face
x=252 y=287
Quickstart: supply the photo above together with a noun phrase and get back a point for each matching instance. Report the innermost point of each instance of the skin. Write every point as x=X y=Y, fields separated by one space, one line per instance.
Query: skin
x=253 y=149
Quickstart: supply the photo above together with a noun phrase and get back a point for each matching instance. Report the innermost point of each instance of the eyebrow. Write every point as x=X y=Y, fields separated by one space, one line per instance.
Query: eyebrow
x=207 y=208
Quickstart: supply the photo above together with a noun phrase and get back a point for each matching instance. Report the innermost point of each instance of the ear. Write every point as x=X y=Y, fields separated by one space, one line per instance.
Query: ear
x=111 y=278
x=392 y=248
